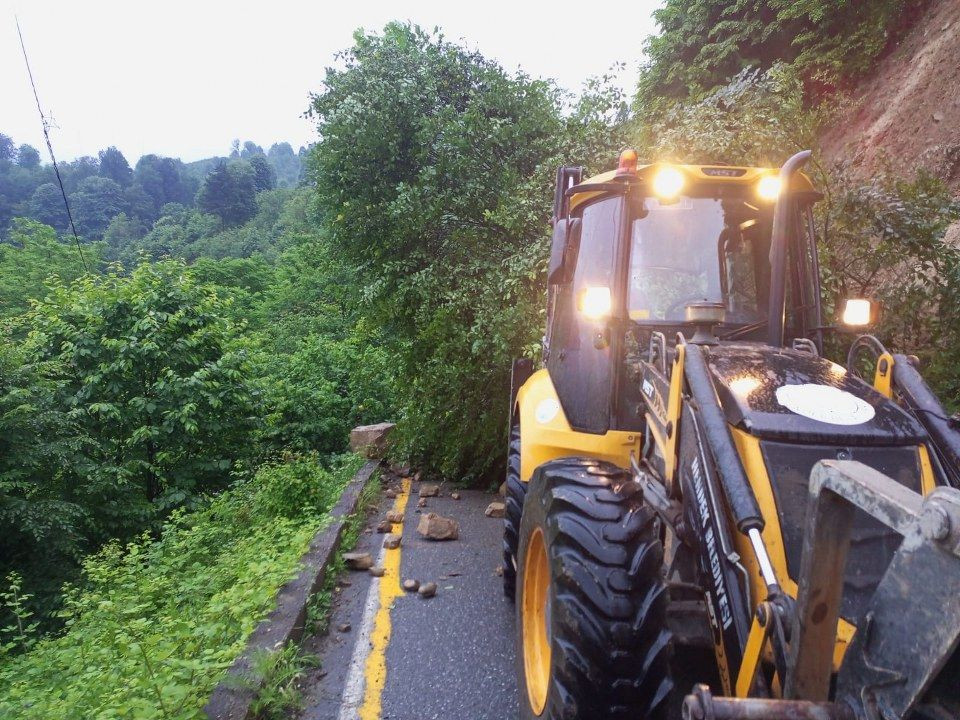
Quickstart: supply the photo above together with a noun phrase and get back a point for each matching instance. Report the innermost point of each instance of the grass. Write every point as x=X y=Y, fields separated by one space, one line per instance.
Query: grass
x=157 y=622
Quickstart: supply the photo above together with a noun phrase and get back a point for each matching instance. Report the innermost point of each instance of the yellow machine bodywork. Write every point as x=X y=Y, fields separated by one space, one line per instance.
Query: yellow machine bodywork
x=546 y=434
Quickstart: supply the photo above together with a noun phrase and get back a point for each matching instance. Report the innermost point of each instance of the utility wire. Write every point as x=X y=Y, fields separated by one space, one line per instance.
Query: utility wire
x=46 y=134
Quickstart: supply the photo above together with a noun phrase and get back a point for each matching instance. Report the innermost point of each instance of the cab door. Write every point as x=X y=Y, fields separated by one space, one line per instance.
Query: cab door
x=583 y=351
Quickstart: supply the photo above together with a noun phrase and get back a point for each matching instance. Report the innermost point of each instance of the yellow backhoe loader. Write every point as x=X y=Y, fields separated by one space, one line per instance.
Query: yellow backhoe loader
x=705 y=516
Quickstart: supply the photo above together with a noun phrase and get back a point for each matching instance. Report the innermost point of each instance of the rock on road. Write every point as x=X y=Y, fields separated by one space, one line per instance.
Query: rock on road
x=448 y=656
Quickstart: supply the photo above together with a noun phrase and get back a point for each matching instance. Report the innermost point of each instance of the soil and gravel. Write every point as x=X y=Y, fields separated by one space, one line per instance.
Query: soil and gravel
x=906 y=114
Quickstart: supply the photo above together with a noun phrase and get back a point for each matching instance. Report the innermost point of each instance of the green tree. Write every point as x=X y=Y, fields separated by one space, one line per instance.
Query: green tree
x=95 y=203
x=250 y=150
x=165 y=180
x=122 y=231
x=114 y=165
x=28 y=157
x=229 y=193
x=154 y=375
x=42 y=459
x=46 y=206
x=285 y=163
x=8 y=151
x=434 y=174
x=32 y=256
x=264 y=177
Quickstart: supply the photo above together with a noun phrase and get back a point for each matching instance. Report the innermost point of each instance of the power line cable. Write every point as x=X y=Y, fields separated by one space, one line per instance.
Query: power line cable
x=46 y=134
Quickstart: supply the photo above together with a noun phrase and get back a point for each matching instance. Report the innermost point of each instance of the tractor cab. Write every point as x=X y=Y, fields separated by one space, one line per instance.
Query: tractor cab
x=643 y=253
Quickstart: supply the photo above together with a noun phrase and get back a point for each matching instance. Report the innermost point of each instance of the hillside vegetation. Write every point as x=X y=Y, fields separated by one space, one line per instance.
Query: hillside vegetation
x=173 y=402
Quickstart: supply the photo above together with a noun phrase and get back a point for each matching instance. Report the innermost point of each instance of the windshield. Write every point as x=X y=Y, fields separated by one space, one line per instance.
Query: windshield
x=699 y=249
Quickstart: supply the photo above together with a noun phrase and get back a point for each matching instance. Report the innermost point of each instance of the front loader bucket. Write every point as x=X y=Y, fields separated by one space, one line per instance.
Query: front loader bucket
x=903 y=662
x=910 y=630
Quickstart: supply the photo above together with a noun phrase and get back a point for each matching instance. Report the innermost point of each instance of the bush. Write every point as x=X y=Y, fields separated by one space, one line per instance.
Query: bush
x=155 y=623
x=129 y=398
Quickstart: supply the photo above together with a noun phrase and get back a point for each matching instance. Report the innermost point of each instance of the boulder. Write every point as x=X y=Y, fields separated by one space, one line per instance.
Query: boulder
x=411 y=585
x=358 y=561
x=376 y=571
x=437 y=527
x=394 y=516
x=384 y=526
x=371 y=440
x=427 y=490
x=428 y=590
x=495 y=510
x=391 y=541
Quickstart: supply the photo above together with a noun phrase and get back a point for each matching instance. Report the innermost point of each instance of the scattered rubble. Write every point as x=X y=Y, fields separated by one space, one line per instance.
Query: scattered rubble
x=403 y=470
x=394 y=516
x=391 y=541
x=344 y=627
x=422 y=502
x=499 y=571
x=390 y=493
x=385 y=526
x=437 y=527
x=376 y=571
x=495 y=510
x=411 y=585
x=428 y=490
x=371 y=440
x=503 y=489
x=454 y=496
x=428 y=590
x=358 y=561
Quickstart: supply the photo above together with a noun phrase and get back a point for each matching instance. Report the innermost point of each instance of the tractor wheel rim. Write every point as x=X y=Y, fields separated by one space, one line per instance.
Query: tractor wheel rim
x=536 y=620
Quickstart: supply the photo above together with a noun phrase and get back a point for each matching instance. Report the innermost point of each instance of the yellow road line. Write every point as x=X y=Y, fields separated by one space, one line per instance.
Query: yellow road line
x=375 y=669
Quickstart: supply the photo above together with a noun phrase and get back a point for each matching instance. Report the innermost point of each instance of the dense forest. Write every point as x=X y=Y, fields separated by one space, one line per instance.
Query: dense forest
x=223 y=324
x=158 y=207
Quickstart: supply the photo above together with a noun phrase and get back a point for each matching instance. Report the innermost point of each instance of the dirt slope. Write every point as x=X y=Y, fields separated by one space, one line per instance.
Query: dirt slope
x=907 y=113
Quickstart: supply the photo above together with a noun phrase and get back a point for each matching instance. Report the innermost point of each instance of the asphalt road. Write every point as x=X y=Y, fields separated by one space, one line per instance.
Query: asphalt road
x=409 y=658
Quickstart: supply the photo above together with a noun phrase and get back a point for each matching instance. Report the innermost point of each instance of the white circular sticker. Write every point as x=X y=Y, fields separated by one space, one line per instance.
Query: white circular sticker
x=825 y=403
x=547 y=410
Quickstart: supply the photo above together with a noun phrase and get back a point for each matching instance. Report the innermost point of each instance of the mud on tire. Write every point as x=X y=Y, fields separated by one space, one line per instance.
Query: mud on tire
x=516 y=490
x=610 y=649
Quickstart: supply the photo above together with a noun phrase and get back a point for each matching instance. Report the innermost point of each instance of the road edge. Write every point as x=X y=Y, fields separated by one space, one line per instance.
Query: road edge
x=232 y=697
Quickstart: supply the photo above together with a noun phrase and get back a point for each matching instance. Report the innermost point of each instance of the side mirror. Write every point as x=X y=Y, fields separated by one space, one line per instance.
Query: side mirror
x=859 y=312
x=566 y=235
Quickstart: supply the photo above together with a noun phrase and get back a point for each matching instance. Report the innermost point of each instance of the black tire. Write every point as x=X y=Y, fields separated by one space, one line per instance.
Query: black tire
x=516 y=491
x=610 y=649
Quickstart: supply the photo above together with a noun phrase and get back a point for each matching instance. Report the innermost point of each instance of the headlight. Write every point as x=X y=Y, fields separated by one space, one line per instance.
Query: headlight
x=595 y=302
x=857 y=312
x=769 y=187
x=668 y=182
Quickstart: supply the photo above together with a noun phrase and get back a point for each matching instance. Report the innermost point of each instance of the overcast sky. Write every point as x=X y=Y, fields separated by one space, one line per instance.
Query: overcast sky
x=185 y=78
